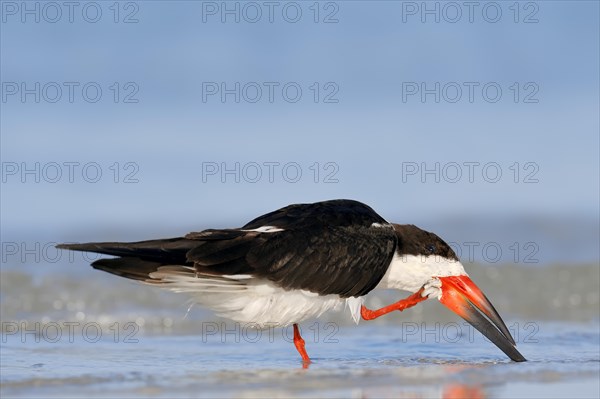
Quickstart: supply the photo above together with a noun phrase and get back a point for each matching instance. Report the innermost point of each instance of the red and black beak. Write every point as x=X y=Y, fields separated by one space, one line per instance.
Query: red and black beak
x=463 y=297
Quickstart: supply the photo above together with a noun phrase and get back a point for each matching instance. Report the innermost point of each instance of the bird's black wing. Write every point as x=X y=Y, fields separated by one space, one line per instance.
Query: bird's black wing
x=334 y=247
x=346 y=261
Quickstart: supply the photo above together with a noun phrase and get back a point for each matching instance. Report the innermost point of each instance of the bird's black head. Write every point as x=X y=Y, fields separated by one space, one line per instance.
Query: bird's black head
x=415 y=241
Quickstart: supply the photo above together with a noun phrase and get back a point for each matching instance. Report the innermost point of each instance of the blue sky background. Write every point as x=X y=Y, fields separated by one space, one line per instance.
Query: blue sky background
x=368 y=136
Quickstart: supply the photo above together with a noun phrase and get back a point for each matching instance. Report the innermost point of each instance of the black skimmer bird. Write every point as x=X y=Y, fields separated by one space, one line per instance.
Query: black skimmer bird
x=299 y=261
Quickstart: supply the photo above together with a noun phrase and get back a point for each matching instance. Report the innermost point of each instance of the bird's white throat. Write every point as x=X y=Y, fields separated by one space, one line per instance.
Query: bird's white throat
x=411 y=272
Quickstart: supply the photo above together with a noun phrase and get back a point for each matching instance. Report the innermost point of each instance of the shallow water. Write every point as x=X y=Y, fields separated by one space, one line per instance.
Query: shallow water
x=366 y=361
x=88 y=333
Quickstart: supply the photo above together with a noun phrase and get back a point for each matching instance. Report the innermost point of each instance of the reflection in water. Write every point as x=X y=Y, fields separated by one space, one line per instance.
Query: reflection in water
x=461 y=391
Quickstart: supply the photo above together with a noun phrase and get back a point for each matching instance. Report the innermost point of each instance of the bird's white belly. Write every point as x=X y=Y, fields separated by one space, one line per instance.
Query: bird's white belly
x=263 y=305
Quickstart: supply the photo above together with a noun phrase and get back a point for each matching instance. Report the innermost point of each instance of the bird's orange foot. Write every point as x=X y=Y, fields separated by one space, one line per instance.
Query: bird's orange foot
x=402 y=304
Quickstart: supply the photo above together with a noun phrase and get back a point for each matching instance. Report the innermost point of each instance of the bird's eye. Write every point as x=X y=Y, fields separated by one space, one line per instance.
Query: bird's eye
x=431 y=249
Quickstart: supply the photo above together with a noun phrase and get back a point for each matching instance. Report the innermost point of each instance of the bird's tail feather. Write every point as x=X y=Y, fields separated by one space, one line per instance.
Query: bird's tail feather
x=171 y=250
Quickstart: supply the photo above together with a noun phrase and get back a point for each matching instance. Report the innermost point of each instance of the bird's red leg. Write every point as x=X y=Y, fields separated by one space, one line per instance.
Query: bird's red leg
x=402 y=304
x=299 y=343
